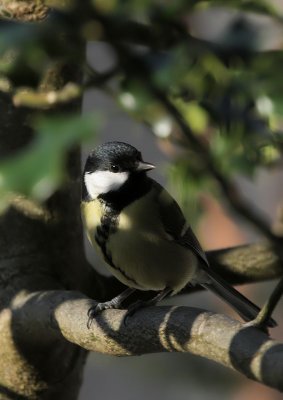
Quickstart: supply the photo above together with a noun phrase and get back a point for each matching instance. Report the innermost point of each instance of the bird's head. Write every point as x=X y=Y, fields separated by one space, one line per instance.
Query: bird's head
x=110 y=166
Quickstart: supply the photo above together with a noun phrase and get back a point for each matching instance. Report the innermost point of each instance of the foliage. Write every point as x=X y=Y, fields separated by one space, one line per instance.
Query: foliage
x=38 y=170
x=228 y=92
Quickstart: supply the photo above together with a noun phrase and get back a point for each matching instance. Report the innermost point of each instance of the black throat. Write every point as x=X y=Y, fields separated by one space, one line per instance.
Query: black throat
x=136 y=186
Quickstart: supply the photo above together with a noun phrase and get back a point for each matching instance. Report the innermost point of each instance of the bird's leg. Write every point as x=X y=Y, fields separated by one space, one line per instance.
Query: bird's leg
x=146 y=303
x=114 y=303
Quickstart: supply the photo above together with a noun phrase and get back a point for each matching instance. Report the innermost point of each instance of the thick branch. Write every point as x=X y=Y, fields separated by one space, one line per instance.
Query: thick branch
x=153 y=330
x=248 y=263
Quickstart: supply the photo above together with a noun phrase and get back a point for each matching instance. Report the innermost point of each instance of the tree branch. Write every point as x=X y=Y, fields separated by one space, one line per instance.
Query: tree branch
x=23 y=10
x=247 y=263
x=61 y=314
x=38 y=99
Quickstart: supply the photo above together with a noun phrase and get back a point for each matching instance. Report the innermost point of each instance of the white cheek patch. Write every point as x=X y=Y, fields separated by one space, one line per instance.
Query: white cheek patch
x=101 y=182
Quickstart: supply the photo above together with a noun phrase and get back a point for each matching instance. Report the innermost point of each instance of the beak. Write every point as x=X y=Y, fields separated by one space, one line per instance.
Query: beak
x=144 y=166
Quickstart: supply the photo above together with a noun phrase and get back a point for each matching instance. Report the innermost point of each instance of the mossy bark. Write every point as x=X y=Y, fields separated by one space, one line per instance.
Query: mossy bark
x=39 y=250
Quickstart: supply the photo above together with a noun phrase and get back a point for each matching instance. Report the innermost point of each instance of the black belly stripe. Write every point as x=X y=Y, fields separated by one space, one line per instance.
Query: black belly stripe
x=109 y=222
x=100 y=232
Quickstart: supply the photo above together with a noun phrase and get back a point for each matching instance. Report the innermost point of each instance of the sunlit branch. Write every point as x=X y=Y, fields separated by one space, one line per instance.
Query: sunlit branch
x=63 y=314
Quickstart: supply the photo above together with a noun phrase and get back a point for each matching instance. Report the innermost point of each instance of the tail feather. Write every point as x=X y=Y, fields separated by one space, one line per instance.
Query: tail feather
x=243 y=306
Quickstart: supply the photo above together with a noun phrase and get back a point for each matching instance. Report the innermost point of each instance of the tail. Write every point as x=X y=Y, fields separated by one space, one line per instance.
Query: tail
x=243 y=306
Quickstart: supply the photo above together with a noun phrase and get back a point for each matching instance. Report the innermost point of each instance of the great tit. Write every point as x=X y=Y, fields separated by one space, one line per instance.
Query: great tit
x=141 y=233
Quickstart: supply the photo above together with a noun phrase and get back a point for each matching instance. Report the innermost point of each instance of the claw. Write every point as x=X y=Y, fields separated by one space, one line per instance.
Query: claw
x=92 y=312
x=95 y=310
x=114 y=303
x=89 y=322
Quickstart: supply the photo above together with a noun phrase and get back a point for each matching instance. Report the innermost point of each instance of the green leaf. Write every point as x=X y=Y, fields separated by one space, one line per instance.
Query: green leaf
x=232 y=156
x=194 y=115
x=188 y=181
x=38 y=170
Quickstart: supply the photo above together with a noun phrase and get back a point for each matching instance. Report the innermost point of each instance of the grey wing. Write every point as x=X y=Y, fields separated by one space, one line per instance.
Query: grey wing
x=190 y=240
x=175 y=224
x=171 y=216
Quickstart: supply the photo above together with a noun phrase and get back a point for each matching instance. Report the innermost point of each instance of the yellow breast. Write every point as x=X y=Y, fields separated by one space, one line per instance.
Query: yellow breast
x=92 y=212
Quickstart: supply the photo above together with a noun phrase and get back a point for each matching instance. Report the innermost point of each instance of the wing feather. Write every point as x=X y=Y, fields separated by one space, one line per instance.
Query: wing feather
x=175 y=224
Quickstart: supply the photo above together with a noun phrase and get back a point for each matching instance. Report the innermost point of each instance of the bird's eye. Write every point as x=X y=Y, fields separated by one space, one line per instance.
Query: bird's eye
x=114 y=168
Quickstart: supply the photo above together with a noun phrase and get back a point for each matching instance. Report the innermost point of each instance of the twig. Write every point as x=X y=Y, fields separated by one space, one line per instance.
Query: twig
x=47 y=99
x=268 y=308
x=41 y=99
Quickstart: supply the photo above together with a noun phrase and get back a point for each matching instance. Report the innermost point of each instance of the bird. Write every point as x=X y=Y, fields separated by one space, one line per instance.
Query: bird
x=141 y=233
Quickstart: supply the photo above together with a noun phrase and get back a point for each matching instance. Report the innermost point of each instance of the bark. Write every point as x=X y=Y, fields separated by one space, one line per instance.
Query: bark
x=155 y=329
x=40 y=249
x=248 y=263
